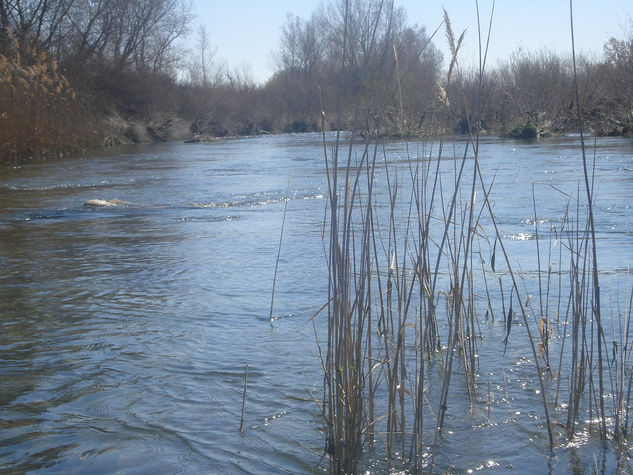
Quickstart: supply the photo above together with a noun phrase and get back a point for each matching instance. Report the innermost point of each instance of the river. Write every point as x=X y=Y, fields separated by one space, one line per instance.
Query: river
x=126 y=330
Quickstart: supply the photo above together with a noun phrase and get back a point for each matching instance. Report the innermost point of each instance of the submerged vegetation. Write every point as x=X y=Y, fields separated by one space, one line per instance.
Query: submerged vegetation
x=126 y=76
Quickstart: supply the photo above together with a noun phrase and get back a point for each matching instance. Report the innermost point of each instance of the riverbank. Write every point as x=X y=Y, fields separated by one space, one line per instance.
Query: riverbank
x=44 y=114
x=129 y=131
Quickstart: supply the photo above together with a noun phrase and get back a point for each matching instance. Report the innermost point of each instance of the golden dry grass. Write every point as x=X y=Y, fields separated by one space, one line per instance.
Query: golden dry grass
x=40 y=113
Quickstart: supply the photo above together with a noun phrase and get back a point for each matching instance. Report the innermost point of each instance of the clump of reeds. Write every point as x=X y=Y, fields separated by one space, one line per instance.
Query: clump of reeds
x=403 y=298
x=40 y=113
x=385 y=297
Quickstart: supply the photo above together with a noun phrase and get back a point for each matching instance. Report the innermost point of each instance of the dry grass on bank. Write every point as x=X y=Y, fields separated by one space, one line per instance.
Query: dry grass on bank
x=40 y=114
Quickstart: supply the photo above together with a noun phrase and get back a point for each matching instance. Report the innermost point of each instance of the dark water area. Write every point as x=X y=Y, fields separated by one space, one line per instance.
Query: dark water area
x=125 y=330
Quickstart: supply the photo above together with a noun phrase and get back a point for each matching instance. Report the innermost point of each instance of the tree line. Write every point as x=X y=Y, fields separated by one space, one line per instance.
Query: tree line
x=391 y=69
x=75 y=73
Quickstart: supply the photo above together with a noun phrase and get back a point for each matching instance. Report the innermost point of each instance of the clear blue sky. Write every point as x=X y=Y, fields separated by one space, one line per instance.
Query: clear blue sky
x=247 y=31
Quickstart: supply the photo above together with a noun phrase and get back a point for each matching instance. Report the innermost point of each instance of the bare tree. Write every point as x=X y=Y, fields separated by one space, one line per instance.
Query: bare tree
x=201 y=67
x=138 y=33
x=4 y=24
x=356 y=43
x=613 y=111
x=300 y=47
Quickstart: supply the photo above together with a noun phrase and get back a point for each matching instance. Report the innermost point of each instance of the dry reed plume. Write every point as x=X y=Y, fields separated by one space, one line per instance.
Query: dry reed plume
x=40 y=114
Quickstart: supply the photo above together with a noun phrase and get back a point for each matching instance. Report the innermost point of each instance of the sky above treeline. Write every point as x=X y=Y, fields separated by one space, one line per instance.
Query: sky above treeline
x=246 y=32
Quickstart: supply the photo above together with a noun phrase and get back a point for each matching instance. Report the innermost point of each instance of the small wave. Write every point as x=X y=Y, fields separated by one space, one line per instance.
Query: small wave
x=101 y=203
x=484 y=466
x=312 y=197
x=26 y=187
x=56 y=186
x=280 y=317
x=532 y=222
x=235 y=203
x=273 y=418
x=44 y=215
x=522 y=237
x=256 y=200
x=218 y=219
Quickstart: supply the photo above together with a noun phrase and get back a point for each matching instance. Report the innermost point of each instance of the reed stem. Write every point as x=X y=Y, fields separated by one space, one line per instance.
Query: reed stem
x=244 y=399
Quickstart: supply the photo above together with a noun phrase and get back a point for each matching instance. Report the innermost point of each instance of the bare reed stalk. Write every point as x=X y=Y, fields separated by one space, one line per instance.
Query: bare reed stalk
x=281 y=237
x=244 y=398
x=465 y=240
x=542 y=317
x=625 y=358
x=597 y=369
x=596 y=310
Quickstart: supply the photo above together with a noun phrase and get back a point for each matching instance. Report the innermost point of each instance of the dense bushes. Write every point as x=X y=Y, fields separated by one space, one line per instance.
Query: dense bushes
x=610 y=104
x=531 y=95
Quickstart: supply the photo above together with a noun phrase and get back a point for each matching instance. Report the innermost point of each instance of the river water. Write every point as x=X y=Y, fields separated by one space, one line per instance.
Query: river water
x=125 y=330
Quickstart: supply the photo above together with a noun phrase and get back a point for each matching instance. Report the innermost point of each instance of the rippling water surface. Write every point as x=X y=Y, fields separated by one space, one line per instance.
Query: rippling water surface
x=125 y=330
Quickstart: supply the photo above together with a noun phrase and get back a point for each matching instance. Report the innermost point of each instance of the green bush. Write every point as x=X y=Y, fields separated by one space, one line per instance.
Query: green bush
x=524 y=131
